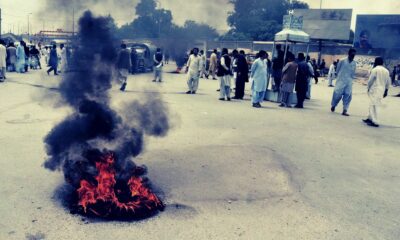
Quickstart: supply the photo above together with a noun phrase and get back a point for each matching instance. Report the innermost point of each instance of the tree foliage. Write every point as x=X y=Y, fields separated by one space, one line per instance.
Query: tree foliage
x=258 y=19
x=151 y=22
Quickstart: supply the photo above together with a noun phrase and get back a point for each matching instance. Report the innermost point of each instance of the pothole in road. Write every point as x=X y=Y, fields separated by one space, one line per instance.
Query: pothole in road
x=230 y=173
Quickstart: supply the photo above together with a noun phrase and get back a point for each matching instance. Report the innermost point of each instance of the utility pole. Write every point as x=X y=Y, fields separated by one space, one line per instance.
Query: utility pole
x=320 y=41
x=28 y=27
x=0 y=22
x=73 y=22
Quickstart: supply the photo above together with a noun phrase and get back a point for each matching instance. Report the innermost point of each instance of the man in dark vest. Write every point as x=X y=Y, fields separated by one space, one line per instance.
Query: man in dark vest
x=158 y=65
x=224 y=74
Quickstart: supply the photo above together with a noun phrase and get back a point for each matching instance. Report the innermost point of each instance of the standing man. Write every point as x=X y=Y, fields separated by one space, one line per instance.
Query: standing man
x=63 y=57
x=27 y=56
x=378 y=87
x=133 y=60
x=288 y=81
x=3 y=57
x=309 y=80
x=21 y=57
x=213 y=64
x=302 y=80
x=346 y=71
x=12 y=57
x=53 y=60
x=193 y=71
x=322 y=67
x=332 y=74
x=394 y=75
x=397 y=76
x=166 y=57
x=158 y=65
x=315 y=70
x=45 y=54
x=259 y=75
x=203 y=63
x=35 y=57
x=224 y=74
x=123 y=65
x=277 y=65
x=242 y=75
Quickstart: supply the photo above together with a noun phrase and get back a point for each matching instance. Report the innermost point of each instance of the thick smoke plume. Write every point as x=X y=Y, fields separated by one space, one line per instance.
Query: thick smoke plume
x=213 y=13
x=94 y=126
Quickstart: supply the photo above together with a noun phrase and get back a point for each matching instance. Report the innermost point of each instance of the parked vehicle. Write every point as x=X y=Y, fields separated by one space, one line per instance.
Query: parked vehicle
x=144 y=60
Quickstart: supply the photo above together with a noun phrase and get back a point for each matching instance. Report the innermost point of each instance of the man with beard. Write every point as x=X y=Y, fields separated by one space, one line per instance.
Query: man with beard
x=378 y=87
x=303 y=74
x=242 y=74
x=259 y=74
x=346 y=71
x=224 y=74
x=193 y=71
x=123 y=65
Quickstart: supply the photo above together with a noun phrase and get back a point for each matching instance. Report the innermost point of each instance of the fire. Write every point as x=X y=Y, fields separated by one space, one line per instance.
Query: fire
x=108 y=198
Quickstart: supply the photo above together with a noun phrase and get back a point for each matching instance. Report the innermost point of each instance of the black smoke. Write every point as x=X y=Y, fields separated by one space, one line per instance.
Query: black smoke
x=94 y=126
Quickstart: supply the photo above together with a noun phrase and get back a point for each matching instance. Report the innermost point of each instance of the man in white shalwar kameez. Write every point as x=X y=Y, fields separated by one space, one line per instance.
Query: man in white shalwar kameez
x=346 y=71
x=193 y=68
x=63 y=57
x=3 y=57
x=203 y=63
x=332 y=74
x=378 y=87
x=259 y=74
x=20 y=66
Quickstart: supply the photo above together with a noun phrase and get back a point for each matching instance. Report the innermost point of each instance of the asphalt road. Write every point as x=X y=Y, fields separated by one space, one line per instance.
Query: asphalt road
x=225 y=170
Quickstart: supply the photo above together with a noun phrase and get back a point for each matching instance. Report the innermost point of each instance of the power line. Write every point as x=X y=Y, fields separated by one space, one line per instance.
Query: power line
x=37 y=18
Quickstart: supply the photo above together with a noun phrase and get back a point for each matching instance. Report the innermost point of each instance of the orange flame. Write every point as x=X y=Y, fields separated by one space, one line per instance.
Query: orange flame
x=104 y=192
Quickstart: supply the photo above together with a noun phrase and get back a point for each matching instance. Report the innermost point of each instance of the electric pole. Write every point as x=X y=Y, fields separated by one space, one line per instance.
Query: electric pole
x=0 y=22
x=73 y=22
x=28 y=27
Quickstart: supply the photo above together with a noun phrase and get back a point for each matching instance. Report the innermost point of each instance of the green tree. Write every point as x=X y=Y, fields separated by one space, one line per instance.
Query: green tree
x=259 y=19
x=149 y=23
x=199 y=30
x=146 y=8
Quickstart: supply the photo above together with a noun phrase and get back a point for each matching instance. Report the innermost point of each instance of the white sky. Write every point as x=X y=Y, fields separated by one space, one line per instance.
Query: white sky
x=15 y=12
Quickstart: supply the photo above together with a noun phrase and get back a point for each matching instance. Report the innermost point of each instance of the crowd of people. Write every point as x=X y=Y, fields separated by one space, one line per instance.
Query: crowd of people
x=21 y=57
x=287 y=72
